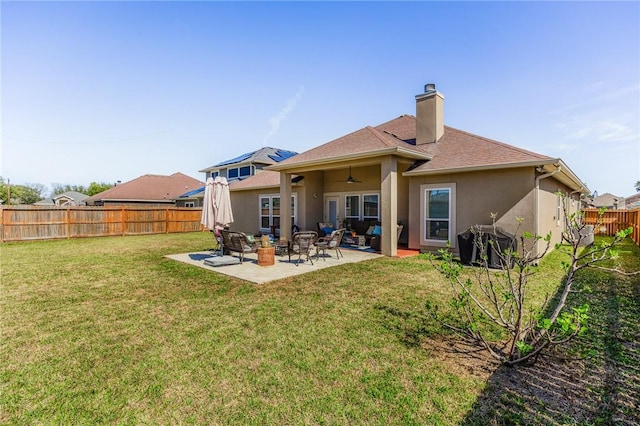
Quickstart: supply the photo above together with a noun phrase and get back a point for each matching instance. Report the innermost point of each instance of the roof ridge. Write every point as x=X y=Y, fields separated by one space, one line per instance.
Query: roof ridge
x=378 y=135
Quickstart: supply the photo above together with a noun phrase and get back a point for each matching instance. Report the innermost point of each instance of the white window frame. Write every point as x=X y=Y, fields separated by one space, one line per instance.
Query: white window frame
x=190 y=204
x=238 y=168
x=559 y=216
x=362 y=215
x=451 y=187
x=360 y=196
x=359 y=215
x=294 y=210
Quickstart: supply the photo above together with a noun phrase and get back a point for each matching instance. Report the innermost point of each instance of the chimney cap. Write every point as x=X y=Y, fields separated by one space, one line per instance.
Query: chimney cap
x=429 y=87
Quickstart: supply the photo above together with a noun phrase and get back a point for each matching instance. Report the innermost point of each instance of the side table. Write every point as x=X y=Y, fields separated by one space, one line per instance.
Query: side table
x=266 y=256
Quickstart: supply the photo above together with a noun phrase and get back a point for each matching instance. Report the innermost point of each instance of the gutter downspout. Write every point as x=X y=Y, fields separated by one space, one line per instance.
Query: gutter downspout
x=536 y=201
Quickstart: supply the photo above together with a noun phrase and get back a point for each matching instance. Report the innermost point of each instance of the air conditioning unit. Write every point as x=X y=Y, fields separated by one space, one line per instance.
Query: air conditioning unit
x=586 y=235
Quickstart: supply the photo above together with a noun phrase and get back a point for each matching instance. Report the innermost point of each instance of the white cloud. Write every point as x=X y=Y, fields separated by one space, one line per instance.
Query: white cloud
x=276 y=121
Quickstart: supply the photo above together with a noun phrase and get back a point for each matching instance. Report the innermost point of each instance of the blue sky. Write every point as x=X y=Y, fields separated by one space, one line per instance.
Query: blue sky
x=108 y=91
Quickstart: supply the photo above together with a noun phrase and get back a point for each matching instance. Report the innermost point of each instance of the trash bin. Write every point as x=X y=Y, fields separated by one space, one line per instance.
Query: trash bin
x=494 y=242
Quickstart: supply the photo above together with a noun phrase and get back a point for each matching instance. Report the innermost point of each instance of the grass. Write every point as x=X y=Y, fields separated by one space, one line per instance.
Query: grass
x=106 y=330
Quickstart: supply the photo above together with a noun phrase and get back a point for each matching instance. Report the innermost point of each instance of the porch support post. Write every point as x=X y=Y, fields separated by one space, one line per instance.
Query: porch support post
x=285 y=205
x=389 y=205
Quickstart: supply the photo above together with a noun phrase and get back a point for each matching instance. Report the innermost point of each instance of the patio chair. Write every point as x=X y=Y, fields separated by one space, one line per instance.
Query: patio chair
x=331 y=242
x=302 y=243
x=237 y=242
x=325 y=228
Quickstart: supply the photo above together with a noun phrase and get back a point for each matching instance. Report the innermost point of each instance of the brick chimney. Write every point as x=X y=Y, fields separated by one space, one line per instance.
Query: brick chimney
x=429 y=115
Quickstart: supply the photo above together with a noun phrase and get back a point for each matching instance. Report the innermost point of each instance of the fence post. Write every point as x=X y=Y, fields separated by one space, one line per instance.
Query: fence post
x=123 y=220
x=68 y=227
x=2 y=224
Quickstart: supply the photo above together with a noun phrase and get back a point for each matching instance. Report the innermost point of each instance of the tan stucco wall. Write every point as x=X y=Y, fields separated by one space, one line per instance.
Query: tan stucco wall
x=506 y=192
x=510 y=193
x=335 y=180
x=245 y=210
x=403 y=203
x=549 y=220
x=310 y=201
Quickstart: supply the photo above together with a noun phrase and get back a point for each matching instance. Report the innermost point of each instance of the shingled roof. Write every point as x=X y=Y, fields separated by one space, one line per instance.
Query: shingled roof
x=456 y=150
x=264 y=155
x=149 y=188
x=264 y=179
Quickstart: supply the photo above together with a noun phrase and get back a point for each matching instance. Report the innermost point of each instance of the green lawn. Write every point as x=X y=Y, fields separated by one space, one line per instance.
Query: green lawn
x=106 y=330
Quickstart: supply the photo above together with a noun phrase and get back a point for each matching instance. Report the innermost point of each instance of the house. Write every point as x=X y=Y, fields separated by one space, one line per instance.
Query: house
x=632 y=202
x=69 y=198
x=437 y=181
x=149 y=191
x=237 y=169
x=608 y=201
x=248 y=164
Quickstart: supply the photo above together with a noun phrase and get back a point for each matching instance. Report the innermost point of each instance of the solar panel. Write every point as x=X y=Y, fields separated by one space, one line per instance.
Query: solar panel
x=281 y=155
x=235 y=160
x=192 y=192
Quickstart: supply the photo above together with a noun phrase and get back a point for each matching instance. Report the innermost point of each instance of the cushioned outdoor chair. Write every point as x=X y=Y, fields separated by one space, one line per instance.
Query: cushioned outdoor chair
x=325 y=228
x=377 y=239
x=302 y=243
x=330 y=242
x=237 y=242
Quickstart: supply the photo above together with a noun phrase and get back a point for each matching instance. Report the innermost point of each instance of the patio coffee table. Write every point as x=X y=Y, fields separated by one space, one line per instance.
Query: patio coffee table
x=358 y=240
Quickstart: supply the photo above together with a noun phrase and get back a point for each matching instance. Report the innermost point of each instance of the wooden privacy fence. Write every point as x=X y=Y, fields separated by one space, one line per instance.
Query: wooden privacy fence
x=20 y=223
x=613 y=221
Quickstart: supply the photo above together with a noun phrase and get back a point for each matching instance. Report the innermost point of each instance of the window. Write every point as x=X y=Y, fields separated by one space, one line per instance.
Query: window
x=371 y=207
x=214 y=174
x=352 y=206
x=559 y=208
x=362 y=206
x=239 y=172
x=438 y=214
x=270 y=211
x=189 y=204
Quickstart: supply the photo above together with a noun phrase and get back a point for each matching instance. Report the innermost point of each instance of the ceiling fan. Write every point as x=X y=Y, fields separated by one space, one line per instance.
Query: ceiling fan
x=351 y=179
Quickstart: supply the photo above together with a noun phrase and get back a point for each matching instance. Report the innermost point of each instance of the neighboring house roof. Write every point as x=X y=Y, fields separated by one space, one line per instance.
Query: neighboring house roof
x=264 y=179
x=77 y=197
x=156 y=188
x=632 y=201
x=266 y=155
x=456 y=151
x=193 y=193
x=608 y=200
x=69 y=197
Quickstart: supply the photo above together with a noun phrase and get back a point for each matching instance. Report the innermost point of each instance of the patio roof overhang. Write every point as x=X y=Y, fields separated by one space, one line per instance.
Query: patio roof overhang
x=341 y=161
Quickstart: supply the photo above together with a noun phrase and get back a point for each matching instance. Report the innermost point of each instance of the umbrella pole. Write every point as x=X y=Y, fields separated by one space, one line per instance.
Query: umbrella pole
x=218 y=238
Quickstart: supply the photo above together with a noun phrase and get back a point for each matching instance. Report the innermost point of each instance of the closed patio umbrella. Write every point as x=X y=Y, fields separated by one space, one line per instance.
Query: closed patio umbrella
x=208 y=219
x=222 y=213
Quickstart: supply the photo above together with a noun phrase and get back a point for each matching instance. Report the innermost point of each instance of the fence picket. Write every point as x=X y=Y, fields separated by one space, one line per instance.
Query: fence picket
x=613 y=221
x=21 y=223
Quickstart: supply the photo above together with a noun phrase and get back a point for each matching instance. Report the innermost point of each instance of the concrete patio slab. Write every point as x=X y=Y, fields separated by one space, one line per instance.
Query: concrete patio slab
x=250 y=271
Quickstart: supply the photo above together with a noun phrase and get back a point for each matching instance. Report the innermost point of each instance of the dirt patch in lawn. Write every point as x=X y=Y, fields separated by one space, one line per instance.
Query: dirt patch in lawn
x=555 y=391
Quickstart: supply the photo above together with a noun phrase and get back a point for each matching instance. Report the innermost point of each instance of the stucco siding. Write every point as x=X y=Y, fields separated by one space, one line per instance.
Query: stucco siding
x=551 y=218
x=245 y=210
x=507 y=192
